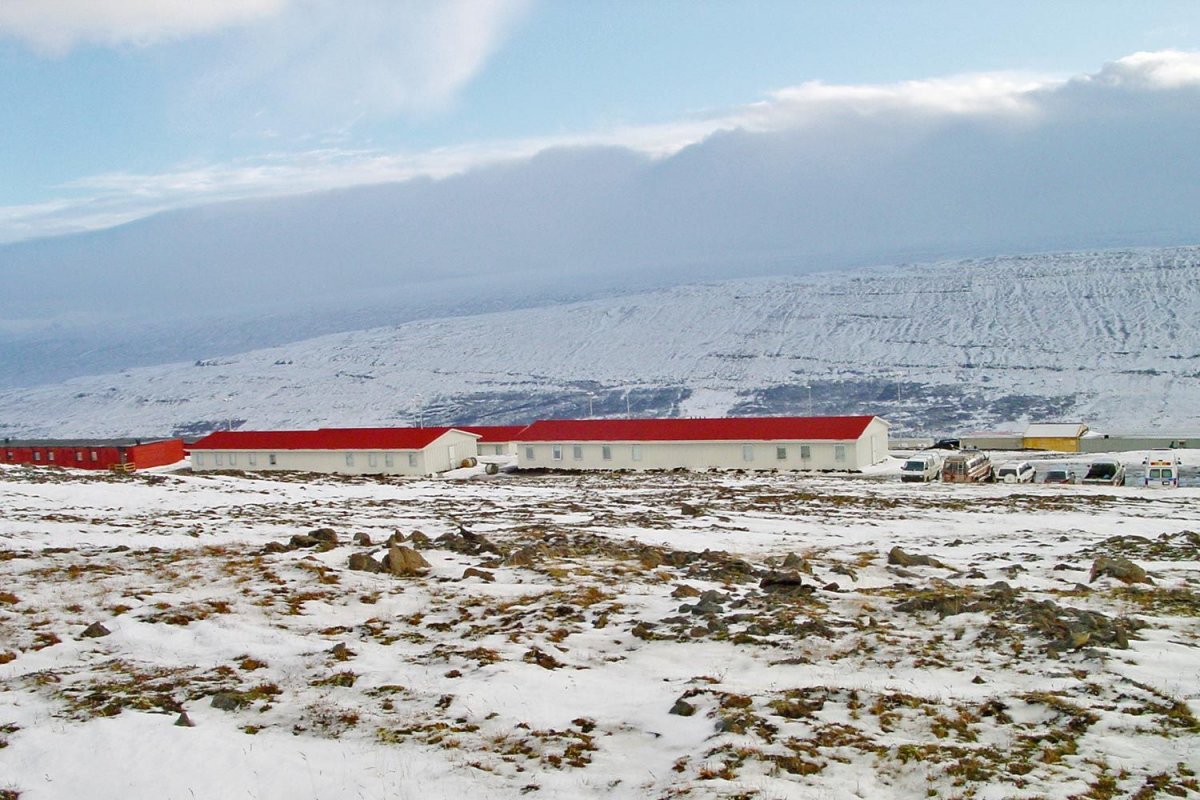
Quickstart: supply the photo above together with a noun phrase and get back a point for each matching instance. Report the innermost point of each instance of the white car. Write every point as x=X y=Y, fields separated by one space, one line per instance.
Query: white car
x=1015 y=472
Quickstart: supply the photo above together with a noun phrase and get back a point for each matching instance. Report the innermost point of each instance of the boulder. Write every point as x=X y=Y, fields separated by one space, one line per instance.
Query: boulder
x=95 y=631
x=902 y=559
x=683 y=590
x=362 y=562
x=1122 y=569
x=472 y=572
x=402 y=560
x=682 y=708
x=326 y=535
x=362 y=539
x=303 y=540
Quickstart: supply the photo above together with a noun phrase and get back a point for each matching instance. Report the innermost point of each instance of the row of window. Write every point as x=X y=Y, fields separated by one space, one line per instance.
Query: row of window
x=9 y=455
x=635 y=452
x=219 y=459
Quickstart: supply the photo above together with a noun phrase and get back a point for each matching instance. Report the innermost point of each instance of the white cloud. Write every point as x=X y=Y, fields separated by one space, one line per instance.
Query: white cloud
x=317 y=66
x=55 y=26
x=1165 y=69
x=890 y=110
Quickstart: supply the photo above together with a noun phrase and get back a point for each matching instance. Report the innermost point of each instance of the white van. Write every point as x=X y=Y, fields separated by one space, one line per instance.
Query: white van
x=1016 y=472
x=1162 y=469
x=921 y=467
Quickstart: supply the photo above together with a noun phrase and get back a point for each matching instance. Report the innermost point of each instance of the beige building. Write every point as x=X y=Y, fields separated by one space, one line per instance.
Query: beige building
x=749 y=443
x=345 y=451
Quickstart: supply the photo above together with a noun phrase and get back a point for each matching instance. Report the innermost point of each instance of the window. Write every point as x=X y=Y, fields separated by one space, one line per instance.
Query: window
x=747 y=452
x=389 y=459
x=94 y=456
x=37 y=455
x=636 y=452
x=253 y=459
x=529 y=454
x=577 y=452
x=349 y=459
x=233 y=459
x=218 y=459
x=499 y=449
x=79 y=455
x=556 y=452
x=781 y=453
x=839 y=453
x=198 y=459
x=606 y=452
x=805 y=452
x=412 y=459
x=271 y=459
x=50 y=455
x=9 y=455
x=373 y=460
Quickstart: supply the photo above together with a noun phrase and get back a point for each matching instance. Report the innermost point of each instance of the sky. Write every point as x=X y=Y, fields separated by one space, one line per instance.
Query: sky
x=111 y=110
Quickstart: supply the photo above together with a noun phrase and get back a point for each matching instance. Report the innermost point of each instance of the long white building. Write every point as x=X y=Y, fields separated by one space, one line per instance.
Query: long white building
x=750 y=443
x=346 y=451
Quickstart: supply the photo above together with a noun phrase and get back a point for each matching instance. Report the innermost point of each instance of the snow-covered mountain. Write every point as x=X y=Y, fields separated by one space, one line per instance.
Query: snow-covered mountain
x=1111 y=338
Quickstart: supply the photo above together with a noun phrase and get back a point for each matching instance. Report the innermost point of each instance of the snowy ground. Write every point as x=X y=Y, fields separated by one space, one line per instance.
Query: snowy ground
x=625 y=636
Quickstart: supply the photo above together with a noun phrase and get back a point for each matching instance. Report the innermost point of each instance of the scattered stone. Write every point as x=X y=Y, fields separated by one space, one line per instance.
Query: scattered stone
x=698 y=632
x=978 y=680
x=541 y=658
x=275 y=547
x=842 y=569
x=184 y=721
x=780 y=581
x=976 y=575
x=326 y=535
x=483 y=575
x=303 y=540
x=1122 y=569
x=831 y=587
x=362 y=539
x=228 y=701
x=419 y=539
x=362 y=562
x=402 y=560
x=524 y=557
x=902 y=559
x=650 y=559
x=683 y=590
x=682 y=708
x=341 y=652
x=95 y=631
x=689 y=510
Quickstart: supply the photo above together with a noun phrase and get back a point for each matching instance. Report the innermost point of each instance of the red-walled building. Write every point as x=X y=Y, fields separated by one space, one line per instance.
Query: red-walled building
x=125 y=455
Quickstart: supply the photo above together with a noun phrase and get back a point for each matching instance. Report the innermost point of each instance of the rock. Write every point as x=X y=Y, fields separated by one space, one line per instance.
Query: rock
x=978 y=680
x=362 y=562
x=327 y=535
x=472 y=572
x=842 y=569
x=184 y=721
x=831 y=587
x=698 y=631
x=275 y=547
x=650 y=559
x=95 y=631
x=228 y=701
x=780 y=581
x=683 y=590
x=524 y=557
x=362 y=539
x=976 y=575
x=303 y=540
x=689 y=510
x=902 y=559
x=541 y=658
x=1122 y=569
x=682 y=708
x=341 y=652
x=402 y=560
x=418 y=539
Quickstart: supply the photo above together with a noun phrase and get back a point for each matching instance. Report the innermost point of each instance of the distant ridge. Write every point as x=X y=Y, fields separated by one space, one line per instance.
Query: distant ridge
x=1108 y=337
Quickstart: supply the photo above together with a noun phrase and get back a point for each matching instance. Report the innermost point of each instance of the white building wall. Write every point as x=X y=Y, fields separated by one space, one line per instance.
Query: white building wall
x=434 y=458
x=697 y=456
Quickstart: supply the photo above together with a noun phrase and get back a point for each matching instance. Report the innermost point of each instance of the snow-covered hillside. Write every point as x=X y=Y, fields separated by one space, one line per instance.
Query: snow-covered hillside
x=1112 y=338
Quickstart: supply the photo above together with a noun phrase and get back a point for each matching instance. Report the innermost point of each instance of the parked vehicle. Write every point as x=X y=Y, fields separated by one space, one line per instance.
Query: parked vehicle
x=1060 y=475
x=1162 y=469
x=1106 y=472
x=1016 y=472
x=922 y=467
x=966 y=466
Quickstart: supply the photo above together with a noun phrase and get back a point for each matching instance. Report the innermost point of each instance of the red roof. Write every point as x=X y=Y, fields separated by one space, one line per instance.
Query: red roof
x=494 y=434
x=323 y=439
x=746 y=429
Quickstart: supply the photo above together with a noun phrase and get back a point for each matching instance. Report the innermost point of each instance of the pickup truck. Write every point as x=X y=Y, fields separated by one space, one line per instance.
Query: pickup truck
x=1105 y=472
